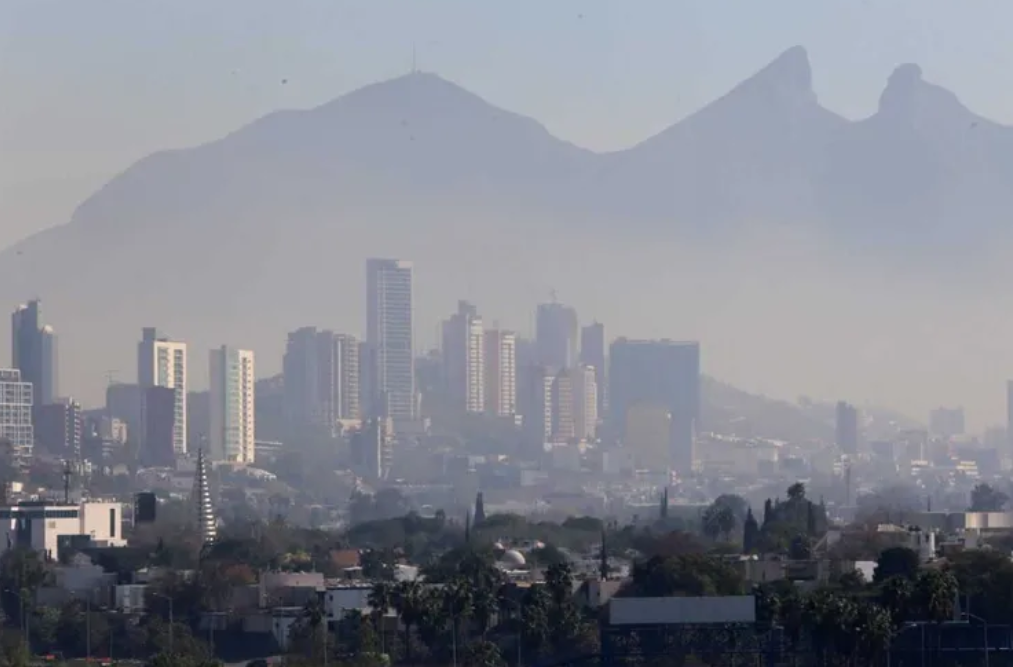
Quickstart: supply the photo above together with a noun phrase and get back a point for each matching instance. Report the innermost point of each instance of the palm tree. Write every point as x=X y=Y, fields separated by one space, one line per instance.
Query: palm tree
x=408 y=602
x=380 y=599
x=458 y=598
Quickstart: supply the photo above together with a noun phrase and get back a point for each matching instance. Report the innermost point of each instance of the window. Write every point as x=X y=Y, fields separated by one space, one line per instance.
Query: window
x=112 y=522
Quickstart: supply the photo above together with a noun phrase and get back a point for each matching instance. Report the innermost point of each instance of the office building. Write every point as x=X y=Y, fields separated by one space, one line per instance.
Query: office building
x=321 y=378
x=232 y=395
x=59 y=427
x=157 y=441
x=162 y=363
x=592 y=353
x=500 y=373
x=463 y=354
x=556 y=335
x=16 y=428
x=33 y=351
x=946 y=422
x=585 y=402
x=846 y=428
x=662 y=374
x=372 y=450
x=48 y=527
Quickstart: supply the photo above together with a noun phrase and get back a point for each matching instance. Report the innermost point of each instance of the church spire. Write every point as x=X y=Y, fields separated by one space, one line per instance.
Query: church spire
x=201 y=497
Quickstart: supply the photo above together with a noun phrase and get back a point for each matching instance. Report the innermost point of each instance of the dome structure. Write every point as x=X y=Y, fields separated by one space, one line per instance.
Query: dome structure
x=513 y=559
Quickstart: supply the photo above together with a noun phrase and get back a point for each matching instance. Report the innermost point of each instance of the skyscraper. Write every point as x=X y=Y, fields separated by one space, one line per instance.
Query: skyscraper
x=500 y=373
x=592 y=353
x=846 y=428
x=660 y=374
x=564 y=428
x=232 y=395
x=33 y=351
x=535 y=402
x=16 y=413
x=162 y=363
x=389 y=333
x=585 y=402
x=464 y=359
x=556 y=333
x=321 y=372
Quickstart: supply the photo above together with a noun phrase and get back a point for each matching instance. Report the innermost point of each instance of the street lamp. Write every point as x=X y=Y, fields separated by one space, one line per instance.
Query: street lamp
x=171 y=622
x=984 y=632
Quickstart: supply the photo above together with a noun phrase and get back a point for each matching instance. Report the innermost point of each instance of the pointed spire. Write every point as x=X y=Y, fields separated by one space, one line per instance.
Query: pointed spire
x=201 y=497
x=479 y=508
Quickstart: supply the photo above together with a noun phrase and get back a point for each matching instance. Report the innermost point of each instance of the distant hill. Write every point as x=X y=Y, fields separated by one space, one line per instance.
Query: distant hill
x=267 y=229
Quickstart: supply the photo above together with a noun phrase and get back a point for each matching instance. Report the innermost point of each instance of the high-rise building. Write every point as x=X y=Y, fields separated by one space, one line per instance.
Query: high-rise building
x=232 y=394
x=556 y=334
x=564 y=428
x=157 y=441
x=321 y=378
x=660 y=374
x=846 y=428
x=390 y=335
x=535 y=403
x=585 y=402
x=16 y=413
x=33 y=351
x=125 y=402
x=500 y=373
x=946 y=422
x=162 y=363
x=58 y=428
x=464 y=359
x=592 y=353
x=372 y=450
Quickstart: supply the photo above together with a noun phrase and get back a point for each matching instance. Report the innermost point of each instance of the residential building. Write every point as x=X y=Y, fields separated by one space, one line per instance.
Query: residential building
x=585 y=402
x=500 y=373
x=58 y=428
x=157 y=448
x=592 y=353
x=16 y=413
x=233 y=398
x=162 y=363
x=658 y=373
x=463 y=354
x=48 y=527
x=535 y=402
x=846 y=428
x=556 y=335
x=125 y=403
x=390 y=335
x=563 y=425
x=33 y=351
x=321 y=378
x=946 y=422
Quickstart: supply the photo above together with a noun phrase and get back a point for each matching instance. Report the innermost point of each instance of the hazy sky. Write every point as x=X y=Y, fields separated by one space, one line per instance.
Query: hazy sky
x=90 y=86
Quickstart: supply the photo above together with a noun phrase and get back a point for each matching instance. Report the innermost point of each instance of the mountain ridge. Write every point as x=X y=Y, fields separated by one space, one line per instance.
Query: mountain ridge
x=279 y=215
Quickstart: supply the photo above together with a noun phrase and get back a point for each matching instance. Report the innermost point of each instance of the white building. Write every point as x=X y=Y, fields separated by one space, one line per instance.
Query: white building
x=500 y=373
x=16 y=412
x=585 y=402
x=390 y=337
x=232 y=394
x=464 y=358
x=162 y=363
x=45 y=527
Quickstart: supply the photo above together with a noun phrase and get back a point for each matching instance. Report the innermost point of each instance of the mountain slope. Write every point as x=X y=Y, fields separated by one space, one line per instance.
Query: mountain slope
x=267 y=229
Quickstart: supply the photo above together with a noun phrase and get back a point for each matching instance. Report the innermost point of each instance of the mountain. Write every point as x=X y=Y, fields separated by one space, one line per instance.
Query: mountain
x=244 y=238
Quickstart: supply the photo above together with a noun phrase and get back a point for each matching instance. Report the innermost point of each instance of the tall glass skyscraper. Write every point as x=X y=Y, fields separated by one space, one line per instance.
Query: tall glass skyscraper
x=33 y=351
x=390 y=337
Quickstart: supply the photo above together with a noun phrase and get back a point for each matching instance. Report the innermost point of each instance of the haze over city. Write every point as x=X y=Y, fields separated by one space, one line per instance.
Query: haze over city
x=786 y=300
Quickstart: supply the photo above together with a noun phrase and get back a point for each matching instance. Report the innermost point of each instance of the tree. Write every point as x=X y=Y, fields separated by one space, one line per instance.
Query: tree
x=986 y=499
x=663 y=511
x=896 y=562
x=483 y=654
x=479 y=509
x=935 y=593
x=768 y=511
x=895 y=596
x=380 y=600
x=718 y=520
x=796 y=492
x=750 y=533
x=737 y=504
x=408 y=602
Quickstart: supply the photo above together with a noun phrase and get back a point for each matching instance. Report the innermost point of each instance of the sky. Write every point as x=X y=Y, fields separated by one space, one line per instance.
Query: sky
x=90 y=87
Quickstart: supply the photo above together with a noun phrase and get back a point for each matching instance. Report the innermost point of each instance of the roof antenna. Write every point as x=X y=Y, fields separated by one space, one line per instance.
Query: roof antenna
x=67 y=472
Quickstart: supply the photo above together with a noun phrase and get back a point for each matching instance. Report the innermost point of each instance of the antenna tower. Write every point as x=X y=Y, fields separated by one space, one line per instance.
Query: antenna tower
x=68 y=472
